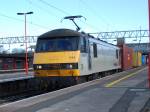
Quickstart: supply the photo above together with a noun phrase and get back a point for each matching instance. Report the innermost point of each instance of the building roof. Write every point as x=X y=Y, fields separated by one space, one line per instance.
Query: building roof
x=18 y=55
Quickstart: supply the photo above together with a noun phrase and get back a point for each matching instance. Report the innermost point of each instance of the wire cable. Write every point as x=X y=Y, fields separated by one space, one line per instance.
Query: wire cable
x=64 y=12
x=52 y=6
x=41 y=8
x=16 y=19
x=89 y=8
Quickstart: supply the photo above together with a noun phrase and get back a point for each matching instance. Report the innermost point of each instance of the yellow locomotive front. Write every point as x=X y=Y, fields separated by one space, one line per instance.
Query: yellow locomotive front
x=57 y=54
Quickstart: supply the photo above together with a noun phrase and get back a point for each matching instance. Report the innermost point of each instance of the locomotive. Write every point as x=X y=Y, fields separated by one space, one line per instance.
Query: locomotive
x=67 y=57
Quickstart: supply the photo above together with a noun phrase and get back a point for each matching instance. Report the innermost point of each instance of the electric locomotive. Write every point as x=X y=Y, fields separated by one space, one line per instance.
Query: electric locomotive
x=67 y=57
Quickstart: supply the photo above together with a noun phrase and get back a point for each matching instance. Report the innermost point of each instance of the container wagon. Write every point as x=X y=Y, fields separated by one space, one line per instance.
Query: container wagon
x=137 y=59
x=126 y=57
x=143 y=59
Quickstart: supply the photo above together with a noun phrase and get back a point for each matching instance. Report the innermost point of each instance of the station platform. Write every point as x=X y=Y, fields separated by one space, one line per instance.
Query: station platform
x=5 y=77
x=121 y=92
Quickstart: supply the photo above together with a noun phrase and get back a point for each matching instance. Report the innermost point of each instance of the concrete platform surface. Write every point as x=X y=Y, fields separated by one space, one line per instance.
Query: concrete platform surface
x=14 y=76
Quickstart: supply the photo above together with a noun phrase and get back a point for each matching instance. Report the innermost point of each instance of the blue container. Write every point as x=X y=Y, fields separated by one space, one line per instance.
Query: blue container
x=143 y=59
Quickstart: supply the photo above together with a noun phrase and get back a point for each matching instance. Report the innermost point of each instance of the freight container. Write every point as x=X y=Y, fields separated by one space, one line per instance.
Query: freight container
x=137 y=59
x=126 y=57
x=144 y=59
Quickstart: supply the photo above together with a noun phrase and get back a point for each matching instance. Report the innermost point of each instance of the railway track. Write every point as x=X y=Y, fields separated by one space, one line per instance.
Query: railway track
x=19 y=96
x=20 y=89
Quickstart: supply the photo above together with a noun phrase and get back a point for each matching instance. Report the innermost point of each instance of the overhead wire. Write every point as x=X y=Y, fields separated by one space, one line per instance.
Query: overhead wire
x=89 y=8
x=44 y=10
x=12 y=18
x=54 y=7
x=41 y=8
x=66 y=13
x=16 y=19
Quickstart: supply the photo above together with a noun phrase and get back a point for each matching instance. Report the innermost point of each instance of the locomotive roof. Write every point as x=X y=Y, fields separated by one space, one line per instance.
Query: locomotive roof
x=66 y=32
x=60 y=33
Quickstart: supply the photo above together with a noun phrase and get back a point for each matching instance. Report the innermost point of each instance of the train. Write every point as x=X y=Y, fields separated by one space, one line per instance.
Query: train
x=67 y=57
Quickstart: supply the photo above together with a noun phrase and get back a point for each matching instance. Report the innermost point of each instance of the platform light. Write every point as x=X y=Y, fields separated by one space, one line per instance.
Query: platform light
x=26 y=57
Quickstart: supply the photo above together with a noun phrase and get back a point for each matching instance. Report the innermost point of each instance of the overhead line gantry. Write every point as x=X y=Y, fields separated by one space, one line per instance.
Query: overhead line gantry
x=101 y=35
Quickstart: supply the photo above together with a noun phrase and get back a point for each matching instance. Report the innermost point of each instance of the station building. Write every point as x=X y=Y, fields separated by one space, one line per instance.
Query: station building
x=15 y=61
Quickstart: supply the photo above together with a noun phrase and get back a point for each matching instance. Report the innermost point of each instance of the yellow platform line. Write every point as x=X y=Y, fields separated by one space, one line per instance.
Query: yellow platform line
x=123 y=78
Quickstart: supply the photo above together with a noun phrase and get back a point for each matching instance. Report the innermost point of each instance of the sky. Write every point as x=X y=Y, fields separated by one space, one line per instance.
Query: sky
x=101 y=15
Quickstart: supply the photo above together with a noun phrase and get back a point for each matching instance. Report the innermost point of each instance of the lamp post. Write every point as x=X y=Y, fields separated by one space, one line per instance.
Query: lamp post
x=149 y=43
x=26 y=56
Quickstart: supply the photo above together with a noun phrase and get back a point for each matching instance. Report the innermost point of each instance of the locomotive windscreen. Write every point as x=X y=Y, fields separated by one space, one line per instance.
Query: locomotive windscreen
x=57 y=44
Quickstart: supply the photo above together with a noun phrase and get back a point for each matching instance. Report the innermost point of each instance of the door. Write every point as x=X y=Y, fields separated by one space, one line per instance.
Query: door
x=89 y=56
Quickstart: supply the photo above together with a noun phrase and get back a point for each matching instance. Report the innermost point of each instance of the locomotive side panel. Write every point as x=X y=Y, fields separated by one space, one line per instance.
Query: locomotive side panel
x=83 y=64
x=103 y=57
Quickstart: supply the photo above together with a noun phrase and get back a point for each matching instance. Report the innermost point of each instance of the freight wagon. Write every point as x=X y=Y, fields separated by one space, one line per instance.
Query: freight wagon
x=137 y=59
x=126 y=57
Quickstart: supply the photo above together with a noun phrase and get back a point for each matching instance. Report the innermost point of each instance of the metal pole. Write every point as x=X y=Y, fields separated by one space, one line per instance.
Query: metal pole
x=26 y=57
x=26 y=41
x=149 y=44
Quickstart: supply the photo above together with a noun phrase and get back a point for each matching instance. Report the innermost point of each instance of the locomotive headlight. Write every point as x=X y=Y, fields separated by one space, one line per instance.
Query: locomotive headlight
x=39 y=67
x=69 y=66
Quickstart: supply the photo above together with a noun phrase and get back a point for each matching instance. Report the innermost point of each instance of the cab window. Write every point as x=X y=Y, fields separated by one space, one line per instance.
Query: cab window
x=83 y=44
